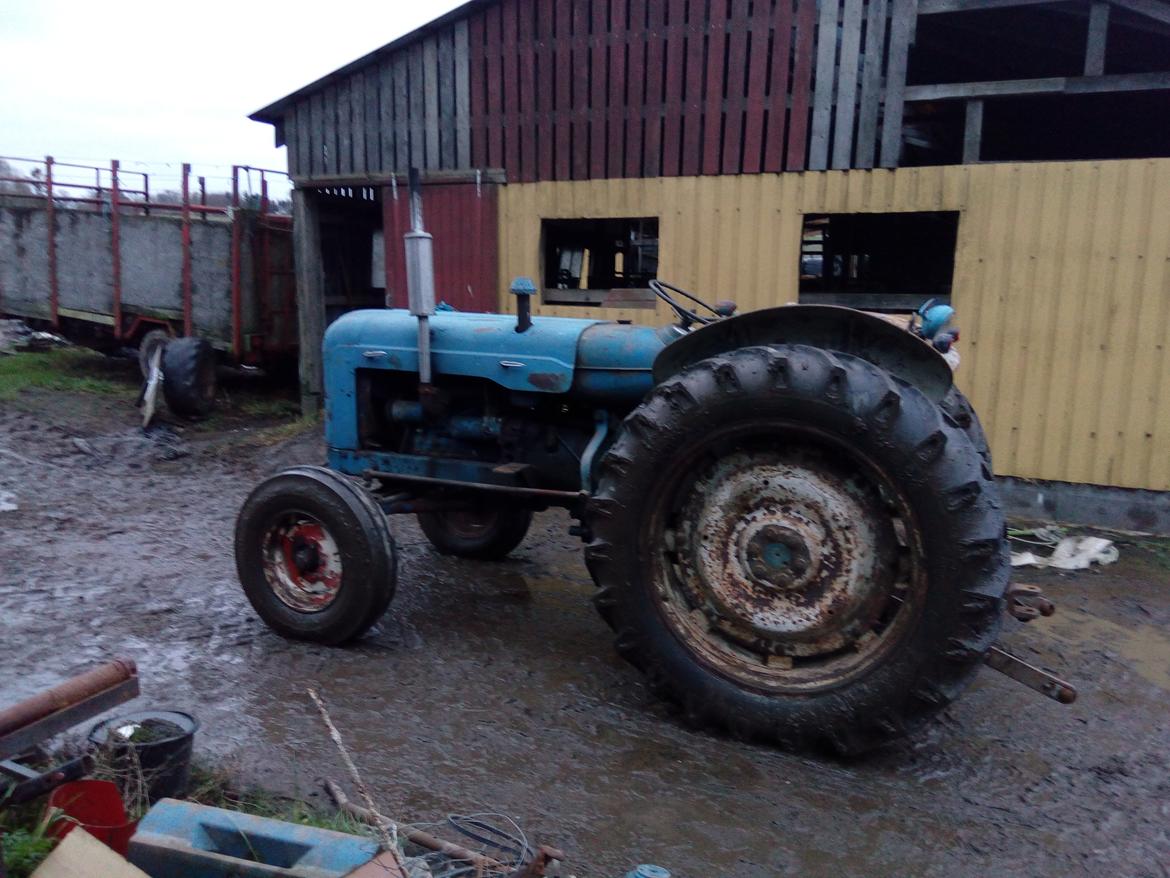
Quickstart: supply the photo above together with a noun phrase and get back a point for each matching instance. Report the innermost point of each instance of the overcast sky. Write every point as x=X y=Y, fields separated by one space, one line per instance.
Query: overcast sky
x=163 y=83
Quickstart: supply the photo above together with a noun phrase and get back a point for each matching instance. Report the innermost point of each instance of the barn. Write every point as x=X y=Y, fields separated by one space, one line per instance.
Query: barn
x=1011 y=157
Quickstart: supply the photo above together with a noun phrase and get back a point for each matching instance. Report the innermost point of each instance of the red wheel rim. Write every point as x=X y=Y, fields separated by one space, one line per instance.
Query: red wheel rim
x=302 y=563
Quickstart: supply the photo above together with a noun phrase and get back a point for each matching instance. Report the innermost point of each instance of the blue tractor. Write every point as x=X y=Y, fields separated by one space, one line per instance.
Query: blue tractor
x=789 y=514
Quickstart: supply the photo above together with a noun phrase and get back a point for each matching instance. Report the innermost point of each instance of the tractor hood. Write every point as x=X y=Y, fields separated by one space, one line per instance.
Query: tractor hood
x=542 y=359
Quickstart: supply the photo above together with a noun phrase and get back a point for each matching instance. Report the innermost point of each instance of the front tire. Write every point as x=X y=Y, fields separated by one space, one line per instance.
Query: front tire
x=798 y=548
x=315 y=556
x=482 y=533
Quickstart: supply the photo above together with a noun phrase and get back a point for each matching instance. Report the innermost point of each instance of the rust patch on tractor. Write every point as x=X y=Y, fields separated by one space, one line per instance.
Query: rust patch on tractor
x=553 y=381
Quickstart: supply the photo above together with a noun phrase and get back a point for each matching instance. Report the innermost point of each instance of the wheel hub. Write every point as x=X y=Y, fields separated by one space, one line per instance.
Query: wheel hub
x=302 y=563
x=786 y=553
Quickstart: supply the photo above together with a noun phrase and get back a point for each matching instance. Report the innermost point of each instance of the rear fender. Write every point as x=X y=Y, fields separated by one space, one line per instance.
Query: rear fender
x=823 y=326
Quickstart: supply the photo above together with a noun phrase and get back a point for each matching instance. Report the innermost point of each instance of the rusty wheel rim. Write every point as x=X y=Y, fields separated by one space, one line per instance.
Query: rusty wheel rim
x=302 y=563
x=785 y=567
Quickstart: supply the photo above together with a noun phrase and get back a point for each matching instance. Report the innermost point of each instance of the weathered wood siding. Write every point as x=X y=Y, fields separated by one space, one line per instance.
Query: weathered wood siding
x=1062 y=285
x=406 y=108
x=596 y=89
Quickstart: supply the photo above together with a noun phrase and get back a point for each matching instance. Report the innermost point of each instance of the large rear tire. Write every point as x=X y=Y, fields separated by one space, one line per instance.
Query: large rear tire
x=799 y=548
x=482 y=533
x=189 y=382
x=315 y=556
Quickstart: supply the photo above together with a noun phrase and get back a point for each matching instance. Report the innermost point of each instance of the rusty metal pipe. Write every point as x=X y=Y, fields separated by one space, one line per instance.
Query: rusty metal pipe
x=66 y=694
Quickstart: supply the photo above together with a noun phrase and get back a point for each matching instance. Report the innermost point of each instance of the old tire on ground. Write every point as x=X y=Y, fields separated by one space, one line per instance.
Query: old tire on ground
x=799 y=548
x=315 y=556
x=482 y=533
x=189 y=376
x=148 y=345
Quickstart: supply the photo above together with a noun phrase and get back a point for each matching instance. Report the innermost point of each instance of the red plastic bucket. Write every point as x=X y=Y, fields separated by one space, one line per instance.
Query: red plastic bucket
x=96 y=806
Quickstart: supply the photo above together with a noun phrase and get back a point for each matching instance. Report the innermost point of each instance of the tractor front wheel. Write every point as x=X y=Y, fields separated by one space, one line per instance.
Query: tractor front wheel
x=315 y=556
x=799 y=548
x=482 y=533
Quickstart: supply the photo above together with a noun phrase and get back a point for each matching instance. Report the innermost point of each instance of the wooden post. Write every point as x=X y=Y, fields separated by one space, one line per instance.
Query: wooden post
x=51 y=231
x=1095 y=44
x=973 y=132
x=903 y=17
x=116 y=245
x=310 y=297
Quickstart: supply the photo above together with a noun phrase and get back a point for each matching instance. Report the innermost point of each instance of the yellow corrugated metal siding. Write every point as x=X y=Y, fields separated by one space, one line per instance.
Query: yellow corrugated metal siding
x=1062 y=284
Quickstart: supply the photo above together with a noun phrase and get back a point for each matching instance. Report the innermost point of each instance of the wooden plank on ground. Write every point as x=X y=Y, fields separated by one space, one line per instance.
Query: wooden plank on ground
x=80 y=855
x=871 y=84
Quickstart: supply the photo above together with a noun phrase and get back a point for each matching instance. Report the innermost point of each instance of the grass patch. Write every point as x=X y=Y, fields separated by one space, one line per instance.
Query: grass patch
x=77 y=370
x=23 y=838
x=214 y=787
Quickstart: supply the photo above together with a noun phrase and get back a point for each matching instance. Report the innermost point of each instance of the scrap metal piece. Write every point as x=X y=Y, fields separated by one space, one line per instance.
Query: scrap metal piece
x=1027 y=602
x=1031 y=676
x=546 y=858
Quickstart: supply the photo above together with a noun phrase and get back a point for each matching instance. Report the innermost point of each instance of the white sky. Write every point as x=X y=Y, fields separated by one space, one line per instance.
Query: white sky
x=162 y=83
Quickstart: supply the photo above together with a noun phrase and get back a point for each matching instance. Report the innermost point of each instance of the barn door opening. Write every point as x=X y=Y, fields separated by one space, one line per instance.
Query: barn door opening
x=461 y=216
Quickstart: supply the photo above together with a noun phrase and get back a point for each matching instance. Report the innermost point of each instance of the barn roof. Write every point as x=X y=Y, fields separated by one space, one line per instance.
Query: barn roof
x=274 y=112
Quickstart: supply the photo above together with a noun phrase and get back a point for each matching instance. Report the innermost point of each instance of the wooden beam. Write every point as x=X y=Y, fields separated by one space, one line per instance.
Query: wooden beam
x=1158 y=10
x=871 y=84
x=310 y=297
x=973 y=132
x=1095 y=44
x=934 y=7
x=823 y=82
x=1053 y=85
x=847 y=84
x=903 y=15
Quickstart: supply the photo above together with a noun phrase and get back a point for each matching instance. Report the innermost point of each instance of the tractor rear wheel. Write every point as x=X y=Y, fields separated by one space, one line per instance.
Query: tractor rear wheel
x=799 y=548
x=315 y=556
x=485 y=534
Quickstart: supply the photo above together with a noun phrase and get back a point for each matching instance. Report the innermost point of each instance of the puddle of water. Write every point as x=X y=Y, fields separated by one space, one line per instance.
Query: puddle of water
x=1145 y=648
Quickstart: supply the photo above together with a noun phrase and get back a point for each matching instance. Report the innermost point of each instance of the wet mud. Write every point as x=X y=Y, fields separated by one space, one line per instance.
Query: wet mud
x=495 y=687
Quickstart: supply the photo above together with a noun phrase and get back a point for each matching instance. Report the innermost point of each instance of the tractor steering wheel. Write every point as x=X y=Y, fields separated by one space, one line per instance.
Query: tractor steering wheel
x=686 y=315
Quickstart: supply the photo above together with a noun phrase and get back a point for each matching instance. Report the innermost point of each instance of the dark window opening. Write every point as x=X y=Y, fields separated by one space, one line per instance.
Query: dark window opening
x=600 y=261
x=878 y=261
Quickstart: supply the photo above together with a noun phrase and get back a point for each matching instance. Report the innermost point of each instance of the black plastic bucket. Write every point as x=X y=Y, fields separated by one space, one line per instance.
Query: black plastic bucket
x=161 y=740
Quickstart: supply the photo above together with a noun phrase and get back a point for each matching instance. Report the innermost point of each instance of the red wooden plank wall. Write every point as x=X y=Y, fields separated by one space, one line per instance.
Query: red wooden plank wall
x=576 y=89
x=462 y=219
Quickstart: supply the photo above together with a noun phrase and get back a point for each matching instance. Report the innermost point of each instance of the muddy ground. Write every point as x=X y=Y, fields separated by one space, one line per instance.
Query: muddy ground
x=495 y=687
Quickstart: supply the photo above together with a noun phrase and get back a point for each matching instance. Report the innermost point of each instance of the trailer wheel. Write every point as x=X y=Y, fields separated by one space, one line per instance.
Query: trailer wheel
x=315 y=555
x=189 y=376
x=148 y=345
x=482 y=533
x=799 y=548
